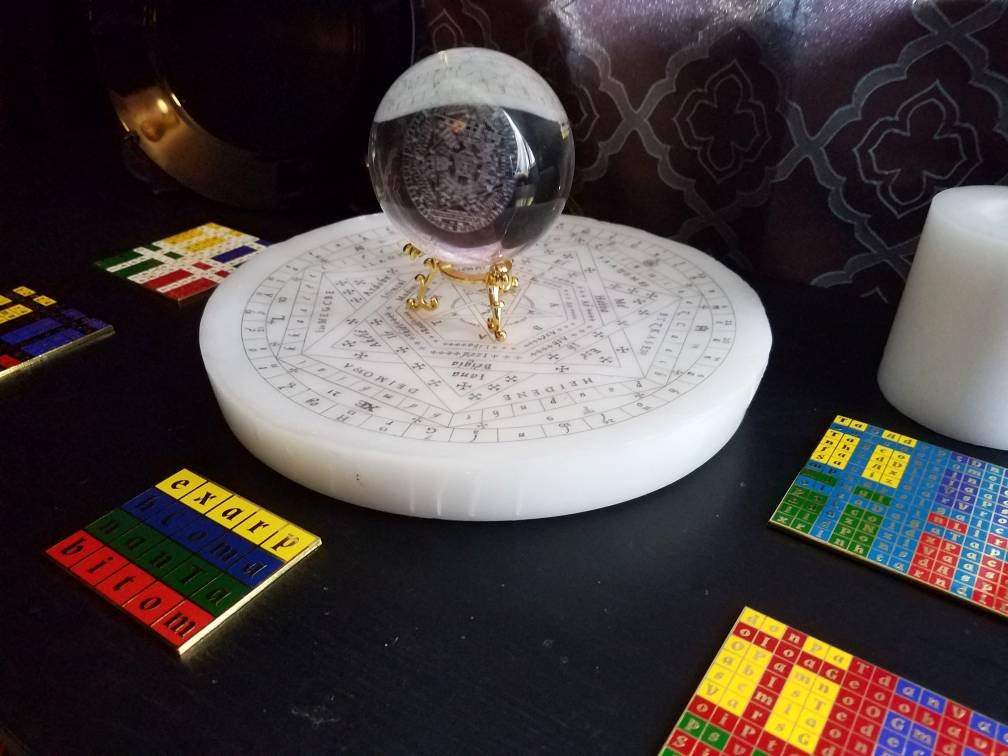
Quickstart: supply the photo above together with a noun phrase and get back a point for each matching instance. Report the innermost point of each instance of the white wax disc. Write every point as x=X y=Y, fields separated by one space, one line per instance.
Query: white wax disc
x=630 y=360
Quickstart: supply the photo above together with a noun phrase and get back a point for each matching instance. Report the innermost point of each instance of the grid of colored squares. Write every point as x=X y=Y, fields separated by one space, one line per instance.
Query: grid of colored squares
x=773 y=689
x=925 y=512
x=183 y=555
x=187 y=264
x=34 y=326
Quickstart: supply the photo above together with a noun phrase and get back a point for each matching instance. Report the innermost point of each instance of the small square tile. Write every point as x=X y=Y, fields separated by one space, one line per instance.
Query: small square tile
x=136 y=541
x=146 y=505
x=233 y=512
x=206 y=497
x=152 y=603
x=191 y=575
x=163 y=558
x=289 y=542
x=196 y=532
x=260 y=527
x=98 y=566
x=182 y=624
x=123 y=584
x=179 y=484
x=255 y=567
x=226 y=550
x=220 y=595
x=74 y=548
x=111 y=525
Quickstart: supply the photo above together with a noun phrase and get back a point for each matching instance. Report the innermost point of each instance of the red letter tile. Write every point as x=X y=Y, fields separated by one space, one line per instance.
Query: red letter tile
x=73 y=549
x=120 y=586
x=98 y=566
x=153 y=603
x=182 y=623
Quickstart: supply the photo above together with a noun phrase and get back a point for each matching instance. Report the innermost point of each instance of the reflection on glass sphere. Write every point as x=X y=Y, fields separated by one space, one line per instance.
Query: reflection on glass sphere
x=471 y=156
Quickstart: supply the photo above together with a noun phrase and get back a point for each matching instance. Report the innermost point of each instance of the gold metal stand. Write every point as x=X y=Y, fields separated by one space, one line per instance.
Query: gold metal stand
x=498 y=280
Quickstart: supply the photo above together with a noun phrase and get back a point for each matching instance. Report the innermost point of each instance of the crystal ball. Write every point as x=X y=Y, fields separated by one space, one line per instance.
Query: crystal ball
x=471 y=156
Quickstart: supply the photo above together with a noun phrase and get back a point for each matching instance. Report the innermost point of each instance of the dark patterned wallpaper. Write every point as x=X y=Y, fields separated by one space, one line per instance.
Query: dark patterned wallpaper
x=799 y=139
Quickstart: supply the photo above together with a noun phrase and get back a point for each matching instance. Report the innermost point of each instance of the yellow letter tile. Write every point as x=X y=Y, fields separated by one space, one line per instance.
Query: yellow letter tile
x=736 y=645
x=718 y=674
x=747 y=670
x=800 y=677
x=735 y=702
x=289 y=542
x=894 y=470
x=779 y=727
x=262 y=525
x=14 y=311
x=710 y=691
x=233 y=513
x=842 y=453
x=803 y=739
x=818 y=706
x=206 y=497
x=24 y=291
x=729 y=659
x=752 y=618
x=838 y=658
x=773 y=628
x=825 y=689
x=815 y=647
x=877 y=464
x=758 y=656
x=741 y=687
x=826 y=445
x=180 y=483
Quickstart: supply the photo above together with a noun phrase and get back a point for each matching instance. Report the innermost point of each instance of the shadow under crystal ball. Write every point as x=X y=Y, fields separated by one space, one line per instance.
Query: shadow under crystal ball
x=471 y=156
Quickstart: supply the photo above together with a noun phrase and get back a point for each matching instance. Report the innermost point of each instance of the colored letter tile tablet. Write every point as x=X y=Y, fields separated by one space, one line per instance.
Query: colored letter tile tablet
x=775 y=691
x=925 y=512
x=187 y=264
x=182 y=556
x=35 y=327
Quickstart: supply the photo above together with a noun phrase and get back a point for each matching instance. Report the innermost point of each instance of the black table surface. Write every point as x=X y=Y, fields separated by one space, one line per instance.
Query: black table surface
x=582 y=634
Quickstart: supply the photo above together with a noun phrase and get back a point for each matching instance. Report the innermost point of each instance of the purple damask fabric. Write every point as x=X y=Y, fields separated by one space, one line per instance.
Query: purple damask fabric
x=799 y=139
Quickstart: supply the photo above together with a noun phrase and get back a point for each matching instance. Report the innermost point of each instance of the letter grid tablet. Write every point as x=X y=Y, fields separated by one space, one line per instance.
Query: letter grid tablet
x=924 y=512
x=187 y=265
x=183 y=556
x=35 y=327
x=774 y=690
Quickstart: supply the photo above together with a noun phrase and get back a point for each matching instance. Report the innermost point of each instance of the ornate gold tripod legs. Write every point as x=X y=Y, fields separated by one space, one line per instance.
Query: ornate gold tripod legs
x=498 y=281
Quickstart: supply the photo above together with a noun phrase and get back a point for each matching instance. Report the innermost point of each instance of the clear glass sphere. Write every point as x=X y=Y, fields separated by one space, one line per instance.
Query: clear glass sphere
x=471 y=156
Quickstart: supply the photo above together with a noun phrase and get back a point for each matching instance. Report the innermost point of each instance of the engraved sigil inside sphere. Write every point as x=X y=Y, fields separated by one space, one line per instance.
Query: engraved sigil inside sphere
x=471 y=156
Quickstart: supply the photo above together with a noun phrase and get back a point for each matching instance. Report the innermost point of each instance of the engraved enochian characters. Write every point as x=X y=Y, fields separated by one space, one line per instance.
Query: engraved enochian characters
x=458 y=165
x=471 y=157
x=612 y=324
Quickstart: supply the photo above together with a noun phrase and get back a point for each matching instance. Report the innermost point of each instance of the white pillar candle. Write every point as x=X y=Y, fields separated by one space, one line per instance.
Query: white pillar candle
x=946 y=362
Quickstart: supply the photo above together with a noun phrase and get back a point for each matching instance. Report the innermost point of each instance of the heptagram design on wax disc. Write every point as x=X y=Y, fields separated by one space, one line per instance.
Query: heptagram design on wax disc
x=459 y=165
x=624 y=347
x=611 y=326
